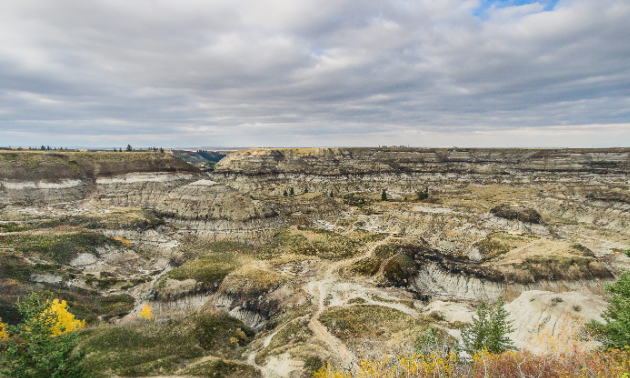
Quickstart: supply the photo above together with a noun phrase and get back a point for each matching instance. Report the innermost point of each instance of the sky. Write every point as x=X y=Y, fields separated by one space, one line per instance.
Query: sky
x=283 y=73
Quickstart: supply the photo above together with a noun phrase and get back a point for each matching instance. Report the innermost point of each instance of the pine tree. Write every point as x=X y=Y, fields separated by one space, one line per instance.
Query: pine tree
x=129 y=149
x=616 y=330
x=498 y=329
x=489 y=330
x=291 y=191
x=285 y=193
x=383 y=195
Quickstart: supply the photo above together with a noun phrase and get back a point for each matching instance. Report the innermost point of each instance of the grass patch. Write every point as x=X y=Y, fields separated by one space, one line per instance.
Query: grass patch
x=357 y=300
x=367 y=266
x=115 y=305
x=209 y=270
x=131 y=220
x=385 y=251
x=13 y=227
x=15 y=268
x=145 y=349
x=221 y=369
x=60 y=247
x=350 y=323
x=251 y=282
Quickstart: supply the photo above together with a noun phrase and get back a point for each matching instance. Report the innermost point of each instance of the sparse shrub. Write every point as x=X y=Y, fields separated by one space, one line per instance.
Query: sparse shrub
x=313 y=364
x=422 y=195
x=399 y=269
x=220 y=329
x=145 y=313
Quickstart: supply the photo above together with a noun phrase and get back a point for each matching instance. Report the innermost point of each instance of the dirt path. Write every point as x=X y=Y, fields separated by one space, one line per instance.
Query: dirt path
x=344 y=355
x=321 y=289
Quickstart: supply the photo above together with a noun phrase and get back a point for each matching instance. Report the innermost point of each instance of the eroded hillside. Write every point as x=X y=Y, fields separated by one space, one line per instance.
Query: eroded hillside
x=280 y=261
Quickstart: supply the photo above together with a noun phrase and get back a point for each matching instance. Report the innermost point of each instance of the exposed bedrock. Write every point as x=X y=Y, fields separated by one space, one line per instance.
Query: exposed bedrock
x=361 y=161
x=435 y=282
x=538 y=265
x=206 y=207
x=207 y=200
x=401 y=169
x=122 y=179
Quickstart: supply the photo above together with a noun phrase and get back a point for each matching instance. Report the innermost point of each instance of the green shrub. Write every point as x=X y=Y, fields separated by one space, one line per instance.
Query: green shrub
x=33 y=353
x=616 y=329
x=211 y=330
x=399 y=268
x=143 y=350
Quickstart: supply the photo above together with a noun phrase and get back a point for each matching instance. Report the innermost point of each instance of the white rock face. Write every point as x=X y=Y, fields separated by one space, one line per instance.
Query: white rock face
x=46 y=278
x=440 y=284
x=84 y=259
x=451 y=311
x=544 y=320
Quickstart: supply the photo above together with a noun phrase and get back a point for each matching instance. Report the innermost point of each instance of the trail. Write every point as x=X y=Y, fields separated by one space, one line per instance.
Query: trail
x=320 y=289
x=345 y=356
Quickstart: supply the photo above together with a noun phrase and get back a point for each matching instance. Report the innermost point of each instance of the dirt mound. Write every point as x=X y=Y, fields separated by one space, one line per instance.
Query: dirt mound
x=522 y=214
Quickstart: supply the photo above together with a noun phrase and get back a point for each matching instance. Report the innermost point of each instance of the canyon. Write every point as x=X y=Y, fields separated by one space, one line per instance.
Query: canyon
x=310 y=256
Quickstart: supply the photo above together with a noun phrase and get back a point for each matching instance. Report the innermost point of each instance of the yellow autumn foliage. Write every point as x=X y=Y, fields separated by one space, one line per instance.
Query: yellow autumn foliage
x=65 y=320
x=3 y=330
x=145 y=313
x=123 y=240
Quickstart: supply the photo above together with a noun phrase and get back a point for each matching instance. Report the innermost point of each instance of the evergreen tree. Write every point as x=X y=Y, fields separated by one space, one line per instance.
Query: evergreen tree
x=161 y=150
x=423 y=194
x=291 y=191
x=129 y=149
x=383 y=195
x=285 y=193
x=616 y=330
x=305 y=190
x=499 y=328
x=489 y=330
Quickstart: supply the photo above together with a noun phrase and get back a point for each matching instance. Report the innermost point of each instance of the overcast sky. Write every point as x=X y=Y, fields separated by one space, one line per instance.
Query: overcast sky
x=315 y=73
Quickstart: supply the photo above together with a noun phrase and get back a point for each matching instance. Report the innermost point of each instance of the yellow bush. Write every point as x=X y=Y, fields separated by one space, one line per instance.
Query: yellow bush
x=65 y=320
x=146 y=312
x=3 y=330
x=123 y=240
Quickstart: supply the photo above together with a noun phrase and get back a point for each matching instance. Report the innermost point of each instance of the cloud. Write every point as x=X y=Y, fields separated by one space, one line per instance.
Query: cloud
x=279 y=72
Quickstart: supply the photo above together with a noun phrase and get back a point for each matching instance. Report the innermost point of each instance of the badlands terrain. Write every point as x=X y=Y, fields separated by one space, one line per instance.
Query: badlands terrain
x=275 y=262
